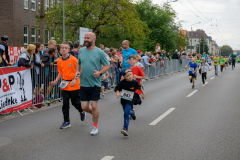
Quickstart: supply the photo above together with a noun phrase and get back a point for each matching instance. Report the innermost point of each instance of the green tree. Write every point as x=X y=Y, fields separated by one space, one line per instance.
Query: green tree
x=238 y=53
x=107 y=18
x=160 y=21
x=201 y=46
x=226 y=50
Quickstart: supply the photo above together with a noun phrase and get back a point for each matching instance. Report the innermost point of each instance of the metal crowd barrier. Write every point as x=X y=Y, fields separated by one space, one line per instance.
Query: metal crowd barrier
x=43 y=77
x=150 y=72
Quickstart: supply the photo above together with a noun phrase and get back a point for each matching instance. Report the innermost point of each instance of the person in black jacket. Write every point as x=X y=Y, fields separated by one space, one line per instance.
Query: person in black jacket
x=37 y=68
x=175 y=55
x=25 y=56
x=4 y=48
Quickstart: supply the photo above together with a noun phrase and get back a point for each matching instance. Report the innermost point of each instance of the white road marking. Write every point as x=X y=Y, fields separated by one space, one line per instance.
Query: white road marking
x=205 y=84
x=212 y=78
x=192 y=93
x=107 y=158
x=161 y=117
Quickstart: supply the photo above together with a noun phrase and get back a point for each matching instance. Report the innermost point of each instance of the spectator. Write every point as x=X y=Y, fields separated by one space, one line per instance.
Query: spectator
x=146 y=59
x=110 y=53
x=47 y=60
x=71 y=48
x=42 y=49
x=157 y=49
x=107 y=51
x=127 y=51
x=175 y=55
x=4 y=48
x=2 y=62
x=37 y=67
x=101 y=46
x=76 y=48
x=119 y=51
x=51 y=44
x=25 y=56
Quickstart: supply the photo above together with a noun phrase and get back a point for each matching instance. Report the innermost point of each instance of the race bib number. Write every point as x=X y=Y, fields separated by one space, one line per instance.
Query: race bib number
x=128 y=95
x=63 y=84
x=204 y=67
x=191 y=69
x=221 y=62
x=216 y=60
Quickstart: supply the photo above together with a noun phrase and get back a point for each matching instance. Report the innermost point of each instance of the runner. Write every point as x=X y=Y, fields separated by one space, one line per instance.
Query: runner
x=216 y=63
x=233 y=57
x=204 y=67
x=127 y=87
x=209 y=60
x=192 y=71
x=226 y=62
x=90 y=61
x=137 y=75
x=70 y=86
x=222 y=62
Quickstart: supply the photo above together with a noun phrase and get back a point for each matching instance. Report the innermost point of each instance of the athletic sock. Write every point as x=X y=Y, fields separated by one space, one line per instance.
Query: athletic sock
x=95 y=125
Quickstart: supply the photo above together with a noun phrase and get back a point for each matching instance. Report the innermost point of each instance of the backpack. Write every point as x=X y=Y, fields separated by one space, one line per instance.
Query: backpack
x=37 y=101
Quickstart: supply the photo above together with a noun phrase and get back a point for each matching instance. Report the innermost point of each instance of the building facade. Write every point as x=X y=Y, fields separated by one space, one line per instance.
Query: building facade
x=194 y=40
x=18 y=21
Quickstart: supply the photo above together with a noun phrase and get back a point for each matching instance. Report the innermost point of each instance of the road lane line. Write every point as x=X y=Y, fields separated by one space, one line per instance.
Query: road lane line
x=211 y=78
x=107 y=158
x=205 y=84
x=192 y=93
x=161 y=117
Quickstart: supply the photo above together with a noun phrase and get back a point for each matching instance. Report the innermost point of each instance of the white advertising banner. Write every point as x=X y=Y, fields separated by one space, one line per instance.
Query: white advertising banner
x=15 y=89
x=82 y=32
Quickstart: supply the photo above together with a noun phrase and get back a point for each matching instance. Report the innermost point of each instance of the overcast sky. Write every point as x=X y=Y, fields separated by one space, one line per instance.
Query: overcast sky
x=220 y=19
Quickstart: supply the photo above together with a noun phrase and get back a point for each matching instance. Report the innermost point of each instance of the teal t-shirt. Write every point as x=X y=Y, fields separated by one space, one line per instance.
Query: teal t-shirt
x=91 y=60
x=233 y=56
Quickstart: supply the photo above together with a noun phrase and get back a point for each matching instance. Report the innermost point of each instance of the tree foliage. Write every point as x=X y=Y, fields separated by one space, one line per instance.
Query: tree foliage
x=226 y=50
x=107 y=18
x=143 y=23
x=206 y=49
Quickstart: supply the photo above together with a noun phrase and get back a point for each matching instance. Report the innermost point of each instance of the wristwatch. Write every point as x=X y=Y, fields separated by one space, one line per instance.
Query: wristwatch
x=100 y=73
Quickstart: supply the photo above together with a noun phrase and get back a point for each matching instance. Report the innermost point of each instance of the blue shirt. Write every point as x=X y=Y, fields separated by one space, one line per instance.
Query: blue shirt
x=126 y=54
x=192 y=67
x=205 y=56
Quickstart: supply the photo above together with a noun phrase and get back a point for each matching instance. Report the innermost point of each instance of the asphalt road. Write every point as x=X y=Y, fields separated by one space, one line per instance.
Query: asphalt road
x=169 y=125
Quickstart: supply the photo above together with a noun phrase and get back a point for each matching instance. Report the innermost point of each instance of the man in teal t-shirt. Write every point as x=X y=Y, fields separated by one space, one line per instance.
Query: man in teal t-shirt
x=233 y=59
x=92 y=62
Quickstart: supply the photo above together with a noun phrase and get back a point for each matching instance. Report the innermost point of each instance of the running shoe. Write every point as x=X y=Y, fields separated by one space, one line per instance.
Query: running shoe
x=124 y=131
x=65 y=125
x=190 y=80
x=82 y=116
x=193 y=86
x=94 y=131
x=102 y=96
x=133 y=116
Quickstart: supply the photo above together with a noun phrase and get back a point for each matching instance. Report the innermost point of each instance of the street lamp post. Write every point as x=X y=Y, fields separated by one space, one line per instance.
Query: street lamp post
x=63 y=22
x=191 y=34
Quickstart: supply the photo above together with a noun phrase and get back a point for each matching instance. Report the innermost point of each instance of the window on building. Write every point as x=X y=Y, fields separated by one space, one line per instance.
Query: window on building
x=33 y=5
x=46 y=36
x=38 y=35
x=25 y=35
x=25 y=4
x=33 y=35
x=195 y=41
x=46 y=4
x=52 y=35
